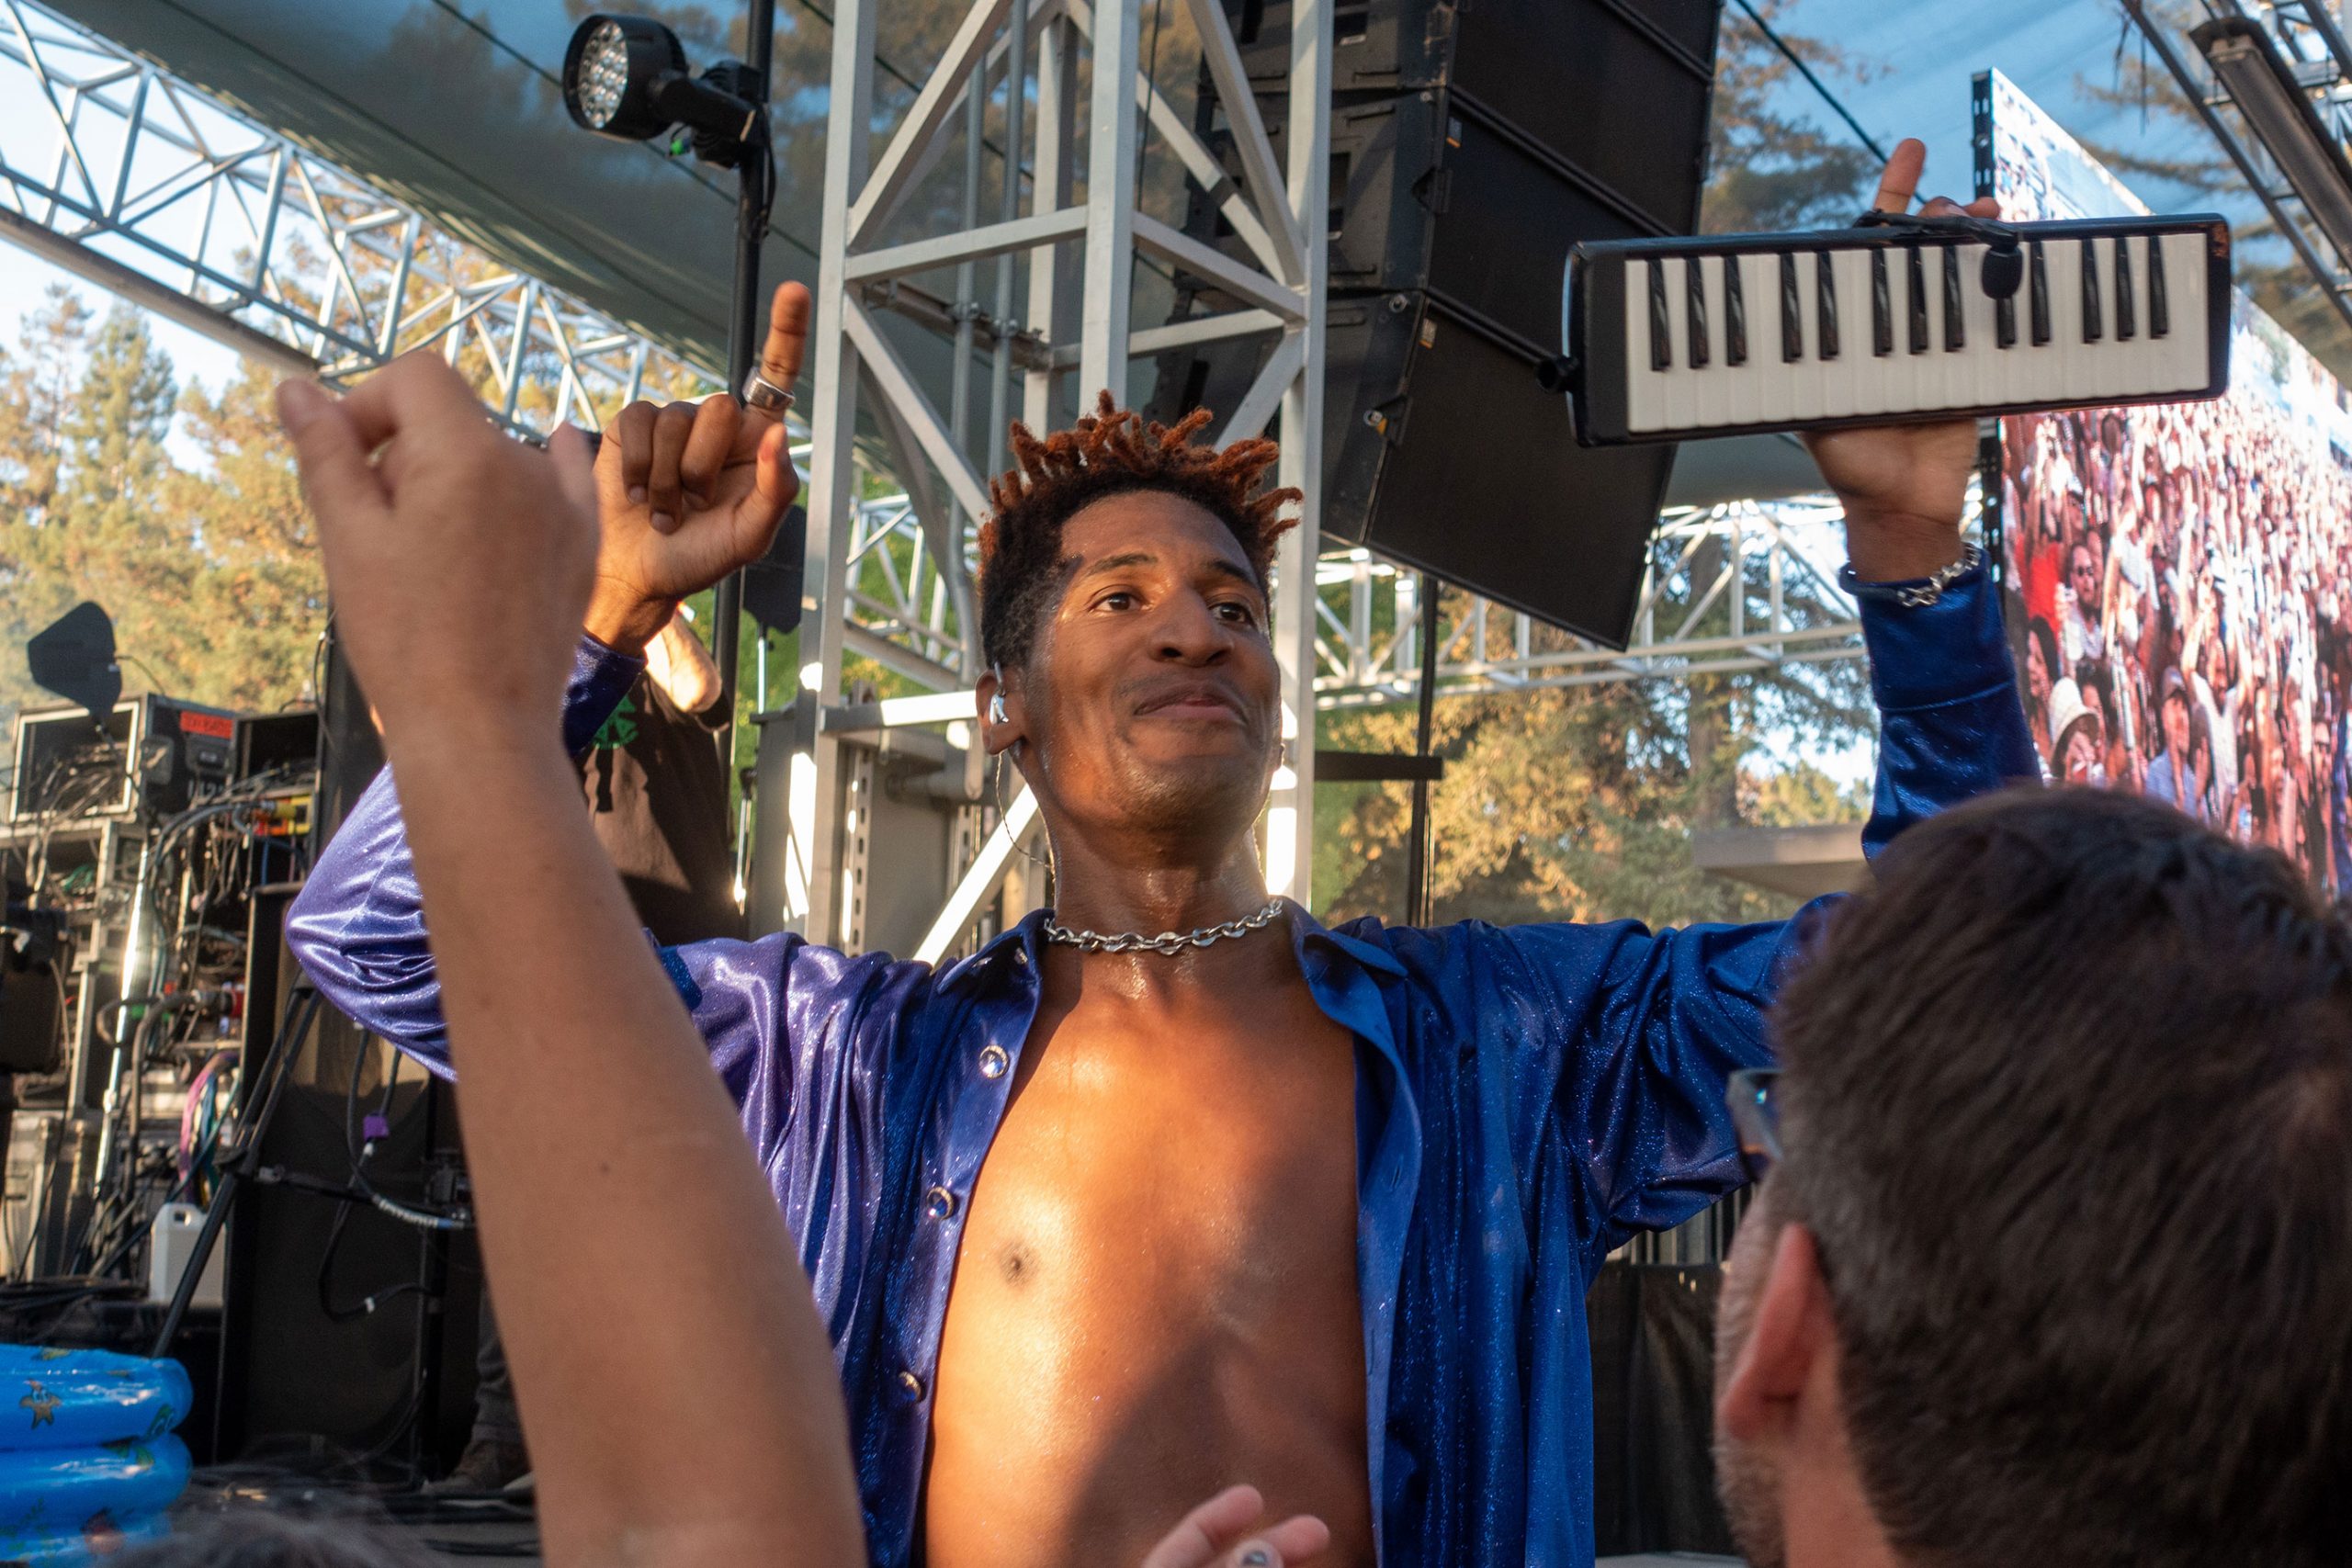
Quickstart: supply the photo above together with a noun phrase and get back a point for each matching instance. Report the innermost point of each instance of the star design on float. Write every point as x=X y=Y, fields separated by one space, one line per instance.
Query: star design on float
x=42 y=1403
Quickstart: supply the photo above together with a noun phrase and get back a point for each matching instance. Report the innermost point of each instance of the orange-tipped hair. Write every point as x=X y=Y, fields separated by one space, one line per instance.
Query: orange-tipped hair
x=1112 y=450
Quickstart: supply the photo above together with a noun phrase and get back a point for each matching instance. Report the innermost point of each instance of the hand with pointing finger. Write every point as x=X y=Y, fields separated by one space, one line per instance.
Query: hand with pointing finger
x=1904 y=485
x=688 y=493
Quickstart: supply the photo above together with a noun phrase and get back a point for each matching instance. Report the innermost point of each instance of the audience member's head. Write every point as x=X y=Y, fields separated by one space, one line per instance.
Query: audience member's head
x=2055 y=1265
x=256 y=1537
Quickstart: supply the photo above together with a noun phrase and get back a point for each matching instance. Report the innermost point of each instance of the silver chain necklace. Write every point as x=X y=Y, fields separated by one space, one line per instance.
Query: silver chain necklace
x=1167 y=943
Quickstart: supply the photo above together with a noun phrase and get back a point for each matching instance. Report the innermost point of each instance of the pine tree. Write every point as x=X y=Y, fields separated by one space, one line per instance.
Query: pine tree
x=108 y=536
x=36 y=387
x=211 y=573
x=39 y=381
x=248 y=634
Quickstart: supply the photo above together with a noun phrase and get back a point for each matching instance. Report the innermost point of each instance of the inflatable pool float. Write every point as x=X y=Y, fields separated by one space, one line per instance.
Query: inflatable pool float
x=89 y=1542
x=88 y=1458
x=69 y=1399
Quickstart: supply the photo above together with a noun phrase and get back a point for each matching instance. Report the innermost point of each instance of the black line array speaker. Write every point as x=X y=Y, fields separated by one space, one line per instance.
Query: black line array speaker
x=347 y=1336
x=1473 y=142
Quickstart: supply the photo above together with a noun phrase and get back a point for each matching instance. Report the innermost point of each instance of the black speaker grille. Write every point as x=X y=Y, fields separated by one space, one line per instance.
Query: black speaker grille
x=1470 y=148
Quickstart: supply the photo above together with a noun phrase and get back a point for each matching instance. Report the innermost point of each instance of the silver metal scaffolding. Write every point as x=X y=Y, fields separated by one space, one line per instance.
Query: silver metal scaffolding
x=2319 y=56
x=148 y=187
x=1080 y=236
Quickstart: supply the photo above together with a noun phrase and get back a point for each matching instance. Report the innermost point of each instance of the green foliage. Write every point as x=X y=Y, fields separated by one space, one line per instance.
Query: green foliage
x=1769 y=170
x=1578 y=802
x=209 y=570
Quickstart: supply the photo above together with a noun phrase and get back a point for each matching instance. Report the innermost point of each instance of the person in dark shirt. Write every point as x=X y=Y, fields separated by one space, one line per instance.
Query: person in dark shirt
x=656 y=793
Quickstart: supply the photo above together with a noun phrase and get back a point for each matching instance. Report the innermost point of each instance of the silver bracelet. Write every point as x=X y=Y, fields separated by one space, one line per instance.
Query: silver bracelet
x=1919 y=593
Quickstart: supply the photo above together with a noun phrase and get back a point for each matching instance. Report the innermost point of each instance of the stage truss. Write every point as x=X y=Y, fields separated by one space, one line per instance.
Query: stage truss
x=1765 y=572
x=2320 y=56
x=148 y=187
x=1075 y=335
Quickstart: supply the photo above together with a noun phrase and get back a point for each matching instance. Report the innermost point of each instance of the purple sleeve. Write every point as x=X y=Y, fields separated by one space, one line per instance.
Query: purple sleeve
x=358 y=926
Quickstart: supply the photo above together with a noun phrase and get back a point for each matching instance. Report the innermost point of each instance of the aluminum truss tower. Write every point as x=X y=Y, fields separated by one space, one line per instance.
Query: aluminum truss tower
x=2317 y=54
x=126 y=175
x=1078 y=336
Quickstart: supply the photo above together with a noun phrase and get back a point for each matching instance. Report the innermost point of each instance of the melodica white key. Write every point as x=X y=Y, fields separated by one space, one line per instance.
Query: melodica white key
x=1899 y=320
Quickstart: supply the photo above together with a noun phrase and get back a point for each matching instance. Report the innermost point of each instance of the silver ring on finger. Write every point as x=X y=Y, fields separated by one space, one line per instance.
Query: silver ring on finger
x=759 y=392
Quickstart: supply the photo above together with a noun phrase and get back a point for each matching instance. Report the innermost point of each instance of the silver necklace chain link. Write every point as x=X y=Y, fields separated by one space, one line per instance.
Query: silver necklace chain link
x=1167 y=943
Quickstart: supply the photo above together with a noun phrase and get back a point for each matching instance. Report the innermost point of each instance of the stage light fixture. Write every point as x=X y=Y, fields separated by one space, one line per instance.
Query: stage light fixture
x=2266 y=92
x=626 y=77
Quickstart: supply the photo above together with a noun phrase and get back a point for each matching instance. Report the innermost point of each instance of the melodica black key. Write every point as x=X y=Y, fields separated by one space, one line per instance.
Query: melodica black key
x=1661 y=326
x=2038 y=286
x=1627 y=383
x=1791 y=311
x=1882 y=308
x=1825 y=303
x=2126 y=308
x=1696 y=278
x=1955 y=332
x=1915 y=274
x=1734 y=314
x=2093 y=328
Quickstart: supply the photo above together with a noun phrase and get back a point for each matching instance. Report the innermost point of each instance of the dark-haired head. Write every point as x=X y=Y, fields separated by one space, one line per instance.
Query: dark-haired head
x=2066 y=1101
x=2041 y=643
x=1111 y=452
x=257 y=1538
x=1123 y=617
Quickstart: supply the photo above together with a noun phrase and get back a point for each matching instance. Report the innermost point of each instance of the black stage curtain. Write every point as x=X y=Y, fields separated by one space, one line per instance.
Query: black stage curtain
x=1653 y=1394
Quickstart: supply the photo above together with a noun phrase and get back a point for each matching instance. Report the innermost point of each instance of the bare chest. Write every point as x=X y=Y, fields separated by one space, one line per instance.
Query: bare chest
x=1156 y=1292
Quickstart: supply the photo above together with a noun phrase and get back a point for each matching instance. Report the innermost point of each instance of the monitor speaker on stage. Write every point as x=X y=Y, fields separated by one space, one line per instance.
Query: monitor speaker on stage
x=1471 y=147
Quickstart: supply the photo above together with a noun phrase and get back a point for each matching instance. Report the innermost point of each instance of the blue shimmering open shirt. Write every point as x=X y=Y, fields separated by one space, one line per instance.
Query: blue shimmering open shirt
x=1527 y=1098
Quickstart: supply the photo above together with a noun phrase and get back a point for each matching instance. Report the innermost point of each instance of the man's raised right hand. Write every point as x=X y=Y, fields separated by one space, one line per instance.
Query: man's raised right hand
x=688 y=493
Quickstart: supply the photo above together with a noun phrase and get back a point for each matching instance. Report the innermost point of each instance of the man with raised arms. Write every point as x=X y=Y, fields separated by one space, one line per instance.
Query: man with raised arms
x=1095 y=1233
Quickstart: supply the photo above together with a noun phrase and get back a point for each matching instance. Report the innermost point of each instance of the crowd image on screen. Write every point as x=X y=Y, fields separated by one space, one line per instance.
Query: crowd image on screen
x=2180 y=602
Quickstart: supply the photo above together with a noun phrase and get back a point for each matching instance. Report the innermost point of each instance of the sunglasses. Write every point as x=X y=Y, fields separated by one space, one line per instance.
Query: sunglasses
x=1756 y=1118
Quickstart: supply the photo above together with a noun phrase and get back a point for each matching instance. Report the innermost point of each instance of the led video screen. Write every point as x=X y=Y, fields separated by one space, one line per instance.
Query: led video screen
x=2178 y=577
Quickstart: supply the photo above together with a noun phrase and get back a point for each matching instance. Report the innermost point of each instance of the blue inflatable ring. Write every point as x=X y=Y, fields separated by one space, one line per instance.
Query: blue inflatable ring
x=73 y=1548
x=45 y=1491
x=81 y=1399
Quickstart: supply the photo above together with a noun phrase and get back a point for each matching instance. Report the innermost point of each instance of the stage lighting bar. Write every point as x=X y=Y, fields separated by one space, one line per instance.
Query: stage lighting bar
x=626 y=77
x=2273 y=102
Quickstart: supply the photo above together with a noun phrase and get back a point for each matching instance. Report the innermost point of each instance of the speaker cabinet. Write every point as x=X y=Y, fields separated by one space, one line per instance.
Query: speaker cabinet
x=1471 y=147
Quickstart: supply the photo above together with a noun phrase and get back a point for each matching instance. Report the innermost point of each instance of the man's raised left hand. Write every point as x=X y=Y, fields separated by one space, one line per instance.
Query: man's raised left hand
x=1904 y=485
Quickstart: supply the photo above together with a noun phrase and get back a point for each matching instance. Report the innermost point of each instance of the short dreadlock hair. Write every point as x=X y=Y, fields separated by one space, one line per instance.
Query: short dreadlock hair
x=1108 y=453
